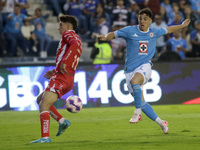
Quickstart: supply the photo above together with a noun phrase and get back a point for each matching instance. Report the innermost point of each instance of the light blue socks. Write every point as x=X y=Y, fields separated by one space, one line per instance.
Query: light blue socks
x=137 y=94
x=148 y=110
x=139 y=104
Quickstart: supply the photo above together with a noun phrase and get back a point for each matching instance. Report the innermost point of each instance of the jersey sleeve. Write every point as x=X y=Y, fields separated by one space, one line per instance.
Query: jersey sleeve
x=68 y=37
x=160 y=31
x=74 y=51
x=122 y=33
x=71 y=58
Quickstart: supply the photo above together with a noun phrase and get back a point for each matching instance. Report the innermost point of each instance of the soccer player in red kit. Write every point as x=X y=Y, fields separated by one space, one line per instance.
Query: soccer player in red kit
x=61 y=78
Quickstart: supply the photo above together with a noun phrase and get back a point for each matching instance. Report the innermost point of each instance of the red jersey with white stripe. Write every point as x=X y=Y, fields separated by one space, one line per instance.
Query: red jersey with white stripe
x=69 y=51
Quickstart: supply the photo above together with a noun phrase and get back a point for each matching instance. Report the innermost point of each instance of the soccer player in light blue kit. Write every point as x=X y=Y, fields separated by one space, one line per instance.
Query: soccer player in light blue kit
x=141 y=45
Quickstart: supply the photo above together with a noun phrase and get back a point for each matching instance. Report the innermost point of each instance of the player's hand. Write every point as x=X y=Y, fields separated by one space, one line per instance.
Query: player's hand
x=62 y=68
x=48 y=74
x=186 y=22
x=101 y=38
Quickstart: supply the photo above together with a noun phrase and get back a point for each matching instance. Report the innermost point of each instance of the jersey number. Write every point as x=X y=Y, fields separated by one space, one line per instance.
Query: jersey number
x=75 y=62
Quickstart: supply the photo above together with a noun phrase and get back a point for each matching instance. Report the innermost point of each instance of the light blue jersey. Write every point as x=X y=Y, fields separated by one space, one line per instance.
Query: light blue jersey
x=176 y=43
x=14 y=25
x=140 y=45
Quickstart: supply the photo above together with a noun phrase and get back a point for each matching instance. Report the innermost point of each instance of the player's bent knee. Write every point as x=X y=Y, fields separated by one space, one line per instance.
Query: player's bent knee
x=134 y=82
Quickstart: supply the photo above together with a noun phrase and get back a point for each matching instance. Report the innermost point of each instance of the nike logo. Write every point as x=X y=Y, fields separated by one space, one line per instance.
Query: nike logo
x=135 y=35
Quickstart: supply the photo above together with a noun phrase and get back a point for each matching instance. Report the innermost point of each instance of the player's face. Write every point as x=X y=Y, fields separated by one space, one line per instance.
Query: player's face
x=17 y=10
x=62 y=27
x=176 y=34
x=144 y=22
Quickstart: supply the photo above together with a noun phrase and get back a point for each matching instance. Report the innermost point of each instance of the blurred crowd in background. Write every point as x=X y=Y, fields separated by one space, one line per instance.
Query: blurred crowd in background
x=24 y=35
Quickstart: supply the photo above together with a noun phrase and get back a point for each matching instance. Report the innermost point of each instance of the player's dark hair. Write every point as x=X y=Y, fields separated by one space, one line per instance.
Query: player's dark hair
x=69 y=19
x=146 y=11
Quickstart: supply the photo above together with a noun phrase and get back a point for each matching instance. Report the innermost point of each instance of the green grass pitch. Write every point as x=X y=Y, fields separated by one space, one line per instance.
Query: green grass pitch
x=106 y=128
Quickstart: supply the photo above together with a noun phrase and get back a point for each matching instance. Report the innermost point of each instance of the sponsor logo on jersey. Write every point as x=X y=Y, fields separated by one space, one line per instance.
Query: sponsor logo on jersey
x=143 y=47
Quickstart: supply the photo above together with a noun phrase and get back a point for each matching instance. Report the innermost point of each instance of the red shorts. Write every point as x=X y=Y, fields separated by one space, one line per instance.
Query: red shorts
x=60 y=84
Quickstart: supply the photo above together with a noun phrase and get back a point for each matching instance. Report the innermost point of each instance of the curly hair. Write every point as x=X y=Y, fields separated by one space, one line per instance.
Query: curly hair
x=69 y=19
x=146 y=11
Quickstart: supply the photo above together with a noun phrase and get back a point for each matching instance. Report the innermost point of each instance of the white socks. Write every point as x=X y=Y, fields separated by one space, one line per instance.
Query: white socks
x=61 y=120
x=138 y=111
x=158 y=121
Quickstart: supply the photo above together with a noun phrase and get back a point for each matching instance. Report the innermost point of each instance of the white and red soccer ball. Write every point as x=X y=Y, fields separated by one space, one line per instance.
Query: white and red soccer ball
x=73 y=104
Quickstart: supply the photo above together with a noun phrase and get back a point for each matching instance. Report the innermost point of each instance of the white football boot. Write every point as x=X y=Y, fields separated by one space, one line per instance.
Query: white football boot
x=136 y=118
x=164 y=127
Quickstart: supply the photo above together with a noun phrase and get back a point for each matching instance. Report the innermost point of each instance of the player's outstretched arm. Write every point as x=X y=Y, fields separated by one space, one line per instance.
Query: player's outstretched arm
x=107 y=37
x=172 y=29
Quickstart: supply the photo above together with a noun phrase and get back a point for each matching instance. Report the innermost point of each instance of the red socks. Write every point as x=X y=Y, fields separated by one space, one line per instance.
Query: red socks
x=54 y=113
x=45 y=123
x=45 y=120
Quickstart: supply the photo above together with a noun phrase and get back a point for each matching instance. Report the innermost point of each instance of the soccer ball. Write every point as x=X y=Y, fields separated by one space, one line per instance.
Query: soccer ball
x=73 y=104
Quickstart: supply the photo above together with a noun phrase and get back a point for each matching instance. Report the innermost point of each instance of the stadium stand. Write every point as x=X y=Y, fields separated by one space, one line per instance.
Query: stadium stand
x=52 y=24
